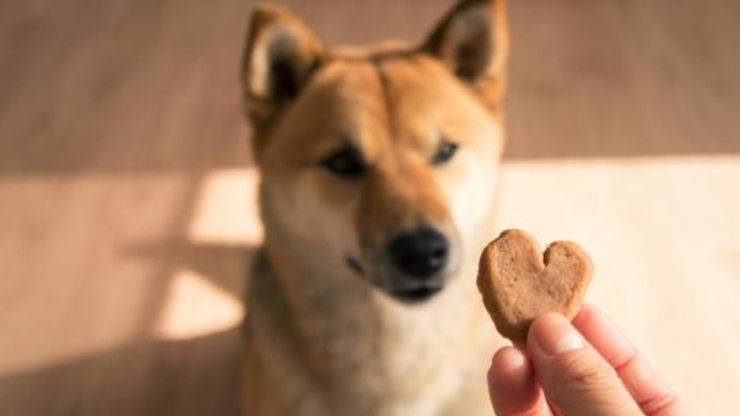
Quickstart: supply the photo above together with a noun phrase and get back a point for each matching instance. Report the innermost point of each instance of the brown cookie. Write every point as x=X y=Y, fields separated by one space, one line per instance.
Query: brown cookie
x=518 y=285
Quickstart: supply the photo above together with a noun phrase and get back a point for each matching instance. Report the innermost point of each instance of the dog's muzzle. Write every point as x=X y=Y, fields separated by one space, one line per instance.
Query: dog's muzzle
x=411 y=268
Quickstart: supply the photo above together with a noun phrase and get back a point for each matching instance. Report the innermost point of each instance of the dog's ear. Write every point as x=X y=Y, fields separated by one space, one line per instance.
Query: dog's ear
x=472 y=40
x=280 y=55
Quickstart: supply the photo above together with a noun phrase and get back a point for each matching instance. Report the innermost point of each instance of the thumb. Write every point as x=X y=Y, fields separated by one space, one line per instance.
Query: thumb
x=575 y=378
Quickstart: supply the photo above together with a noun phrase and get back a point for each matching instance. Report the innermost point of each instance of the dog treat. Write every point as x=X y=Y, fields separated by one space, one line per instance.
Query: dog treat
x=518 y=284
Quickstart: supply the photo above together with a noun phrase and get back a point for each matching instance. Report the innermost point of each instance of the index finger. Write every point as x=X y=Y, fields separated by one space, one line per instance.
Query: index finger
x=651 y=393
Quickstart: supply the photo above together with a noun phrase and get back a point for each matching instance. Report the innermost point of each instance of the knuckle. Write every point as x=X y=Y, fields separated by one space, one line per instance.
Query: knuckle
x=660 y=405
x=581 y=369
x=582 y=381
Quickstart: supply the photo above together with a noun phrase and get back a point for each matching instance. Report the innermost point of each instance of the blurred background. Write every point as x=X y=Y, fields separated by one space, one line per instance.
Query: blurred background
x=127 y=206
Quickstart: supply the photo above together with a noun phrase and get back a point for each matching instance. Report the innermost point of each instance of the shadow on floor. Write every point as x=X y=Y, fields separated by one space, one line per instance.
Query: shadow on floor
x=224 y=265
x=137 y=379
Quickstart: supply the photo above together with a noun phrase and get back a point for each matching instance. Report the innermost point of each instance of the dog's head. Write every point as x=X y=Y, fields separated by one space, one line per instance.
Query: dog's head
x=379 y=160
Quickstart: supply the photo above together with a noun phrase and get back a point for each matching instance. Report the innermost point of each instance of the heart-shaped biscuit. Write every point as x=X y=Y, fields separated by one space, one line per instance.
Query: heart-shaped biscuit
x=518 y=285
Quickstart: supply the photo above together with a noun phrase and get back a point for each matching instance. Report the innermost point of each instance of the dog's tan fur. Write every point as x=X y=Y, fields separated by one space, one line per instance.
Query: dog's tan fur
x=321 y=340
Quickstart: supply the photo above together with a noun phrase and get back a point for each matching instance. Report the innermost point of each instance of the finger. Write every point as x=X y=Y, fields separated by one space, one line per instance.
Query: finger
x=511 y=383
x=651 y=393
x=572 y=373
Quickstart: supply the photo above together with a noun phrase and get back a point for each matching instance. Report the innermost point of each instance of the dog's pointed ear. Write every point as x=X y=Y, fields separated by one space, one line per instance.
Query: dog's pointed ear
x=472 y=40
x=280 y=55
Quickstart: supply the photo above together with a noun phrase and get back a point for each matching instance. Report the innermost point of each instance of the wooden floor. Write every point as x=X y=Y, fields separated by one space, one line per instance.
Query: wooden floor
x=127 y=211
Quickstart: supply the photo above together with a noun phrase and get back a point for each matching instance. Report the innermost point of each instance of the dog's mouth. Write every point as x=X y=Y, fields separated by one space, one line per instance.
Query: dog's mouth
x=355 y=265
x=411 y=295
x=417 y=295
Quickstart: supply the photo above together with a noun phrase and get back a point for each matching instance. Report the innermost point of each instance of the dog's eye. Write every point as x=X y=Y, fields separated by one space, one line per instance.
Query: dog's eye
x=346 y=162
x=444 y=153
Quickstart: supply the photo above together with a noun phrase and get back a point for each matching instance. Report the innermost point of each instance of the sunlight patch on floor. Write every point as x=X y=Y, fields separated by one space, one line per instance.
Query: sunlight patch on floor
x=226 y=210
x=196 y=307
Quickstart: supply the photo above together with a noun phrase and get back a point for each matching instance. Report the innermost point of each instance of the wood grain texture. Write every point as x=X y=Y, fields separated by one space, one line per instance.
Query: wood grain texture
x=115 y=115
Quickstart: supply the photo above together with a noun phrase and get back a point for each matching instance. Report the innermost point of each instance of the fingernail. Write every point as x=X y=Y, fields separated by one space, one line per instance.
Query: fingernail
x=555 y=335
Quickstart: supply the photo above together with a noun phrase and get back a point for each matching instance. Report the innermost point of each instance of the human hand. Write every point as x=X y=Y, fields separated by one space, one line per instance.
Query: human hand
x=585 y=368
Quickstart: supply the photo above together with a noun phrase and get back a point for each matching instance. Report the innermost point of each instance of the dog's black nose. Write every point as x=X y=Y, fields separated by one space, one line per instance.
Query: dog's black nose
x=421 y=253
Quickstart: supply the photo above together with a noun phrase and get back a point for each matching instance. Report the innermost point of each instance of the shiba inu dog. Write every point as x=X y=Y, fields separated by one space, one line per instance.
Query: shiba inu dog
x=379 y=170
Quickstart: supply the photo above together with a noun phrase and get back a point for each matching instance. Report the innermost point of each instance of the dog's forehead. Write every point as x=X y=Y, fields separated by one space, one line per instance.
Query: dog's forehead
x=379 y=102
x=343 y=102
x=425 y=101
